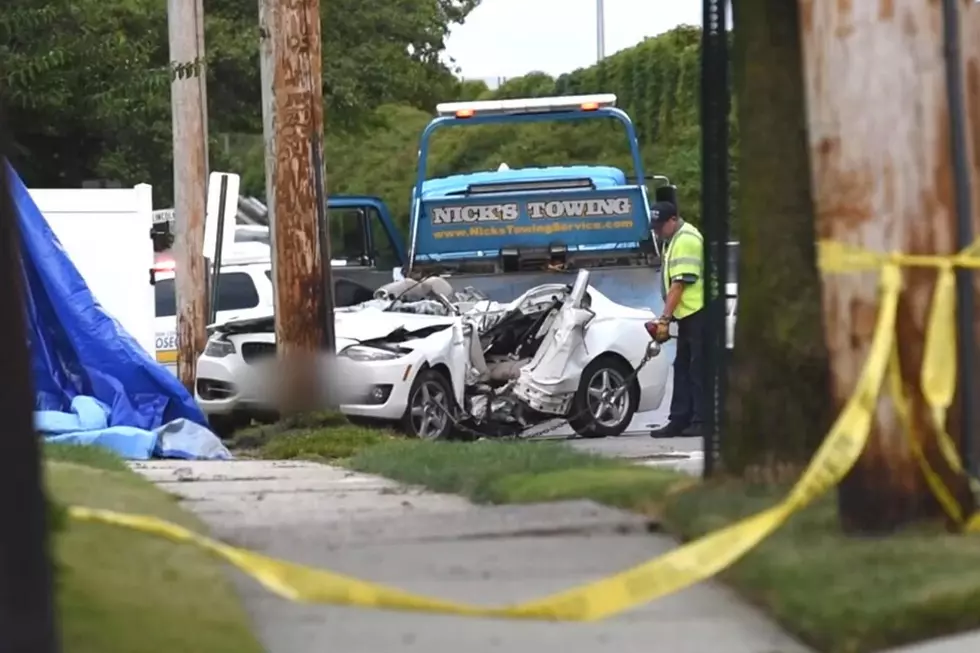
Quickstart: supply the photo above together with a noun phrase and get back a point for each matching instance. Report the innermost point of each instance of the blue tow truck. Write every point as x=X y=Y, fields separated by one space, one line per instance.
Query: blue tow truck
x=504 y=231
x=507 y=230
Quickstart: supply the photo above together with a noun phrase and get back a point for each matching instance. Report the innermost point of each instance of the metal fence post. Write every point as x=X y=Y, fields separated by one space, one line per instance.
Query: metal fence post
x=959 y=137
x=715 y=103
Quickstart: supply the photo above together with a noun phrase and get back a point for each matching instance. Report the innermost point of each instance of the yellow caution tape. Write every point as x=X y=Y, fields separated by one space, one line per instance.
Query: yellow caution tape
x=706 y=556
x=673 y=571
x=938 y=374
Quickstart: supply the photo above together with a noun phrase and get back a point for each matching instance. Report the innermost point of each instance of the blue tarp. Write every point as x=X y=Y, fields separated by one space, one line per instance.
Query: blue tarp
x=88 y=425
x=79 y=350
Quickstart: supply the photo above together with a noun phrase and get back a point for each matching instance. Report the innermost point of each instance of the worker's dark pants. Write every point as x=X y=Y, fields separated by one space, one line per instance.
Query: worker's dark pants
x=687 y=403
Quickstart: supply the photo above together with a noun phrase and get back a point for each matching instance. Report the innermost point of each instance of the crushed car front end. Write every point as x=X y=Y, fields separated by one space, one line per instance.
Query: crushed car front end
x=374 y=376
x=229 y=386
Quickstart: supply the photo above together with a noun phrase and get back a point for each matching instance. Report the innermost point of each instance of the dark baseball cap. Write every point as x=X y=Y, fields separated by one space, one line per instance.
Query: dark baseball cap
x=660 y=212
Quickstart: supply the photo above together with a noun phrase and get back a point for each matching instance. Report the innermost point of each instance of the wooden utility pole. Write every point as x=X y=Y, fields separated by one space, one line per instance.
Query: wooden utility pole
x=27 y=621
x=188 y=100
x=292 y=111
x=884 y=179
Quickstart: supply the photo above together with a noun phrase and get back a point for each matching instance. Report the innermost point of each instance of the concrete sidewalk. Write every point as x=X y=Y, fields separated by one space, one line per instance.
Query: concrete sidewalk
x=442 y=545
x=965 y=643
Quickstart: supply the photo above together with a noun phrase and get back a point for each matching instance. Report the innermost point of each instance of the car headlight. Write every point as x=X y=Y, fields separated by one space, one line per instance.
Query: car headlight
x=363 y=353
x=219 y=348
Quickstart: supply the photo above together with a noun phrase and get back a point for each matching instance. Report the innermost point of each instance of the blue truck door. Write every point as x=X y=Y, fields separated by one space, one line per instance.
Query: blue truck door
x=365 y=245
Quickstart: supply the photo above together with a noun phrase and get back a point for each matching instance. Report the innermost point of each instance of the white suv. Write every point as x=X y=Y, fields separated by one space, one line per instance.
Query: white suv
x=244 y=290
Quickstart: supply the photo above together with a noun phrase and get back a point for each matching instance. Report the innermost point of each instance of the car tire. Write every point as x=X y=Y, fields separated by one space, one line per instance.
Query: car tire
x=429 y=414
x=612 y=372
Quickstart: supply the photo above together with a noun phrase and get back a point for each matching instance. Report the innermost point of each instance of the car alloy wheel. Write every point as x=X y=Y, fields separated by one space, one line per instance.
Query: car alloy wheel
x=429 y=410
x=607 y=408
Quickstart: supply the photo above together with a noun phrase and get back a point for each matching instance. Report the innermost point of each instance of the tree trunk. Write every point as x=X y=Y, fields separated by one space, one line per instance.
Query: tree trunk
x=883 y=179
x=777 y=409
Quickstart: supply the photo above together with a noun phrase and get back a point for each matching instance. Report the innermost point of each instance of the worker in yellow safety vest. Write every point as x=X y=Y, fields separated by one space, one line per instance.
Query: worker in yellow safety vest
x=682 y=287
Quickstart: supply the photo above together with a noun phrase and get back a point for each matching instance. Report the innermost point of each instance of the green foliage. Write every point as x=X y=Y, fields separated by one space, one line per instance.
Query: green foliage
x=86 y=83
x=656 y=83
x=472 y=89
x=87 y=91
x=85 y=86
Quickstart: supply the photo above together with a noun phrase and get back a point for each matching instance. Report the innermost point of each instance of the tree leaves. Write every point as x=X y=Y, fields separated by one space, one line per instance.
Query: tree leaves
x=656 y=83
x=86 y=82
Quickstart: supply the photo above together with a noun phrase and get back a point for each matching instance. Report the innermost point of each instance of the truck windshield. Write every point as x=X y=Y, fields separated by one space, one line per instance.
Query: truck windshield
x=494 y=147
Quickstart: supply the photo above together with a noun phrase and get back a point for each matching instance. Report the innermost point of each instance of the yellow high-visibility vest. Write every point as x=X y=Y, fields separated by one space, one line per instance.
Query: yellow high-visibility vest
x=685 y=256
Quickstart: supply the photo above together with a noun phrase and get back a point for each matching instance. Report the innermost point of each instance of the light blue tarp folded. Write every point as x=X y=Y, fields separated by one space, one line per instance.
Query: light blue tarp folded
x=182 y=438
x=88 y=424
x=77 y=349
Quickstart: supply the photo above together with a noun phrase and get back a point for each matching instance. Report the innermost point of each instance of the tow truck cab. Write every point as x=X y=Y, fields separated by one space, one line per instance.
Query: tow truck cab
x=500 y=231
x=365 y=245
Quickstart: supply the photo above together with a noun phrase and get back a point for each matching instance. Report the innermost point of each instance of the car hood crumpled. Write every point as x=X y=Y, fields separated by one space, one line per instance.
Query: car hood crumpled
x=369 y=323
x=376 y=324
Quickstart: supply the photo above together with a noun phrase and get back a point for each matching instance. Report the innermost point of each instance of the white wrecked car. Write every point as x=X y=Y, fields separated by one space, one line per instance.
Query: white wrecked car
x=441 y=363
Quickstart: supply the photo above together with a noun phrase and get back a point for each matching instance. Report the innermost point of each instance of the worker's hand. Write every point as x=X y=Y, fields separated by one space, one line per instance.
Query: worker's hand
x=662 y=333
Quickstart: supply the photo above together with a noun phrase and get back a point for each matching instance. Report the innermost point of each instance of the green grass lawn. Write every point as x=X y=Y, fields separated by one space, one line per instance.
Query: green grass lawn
x=839 y=594
x=120 y=591
x=516 y=472
x=842 y=594
x=325 y=437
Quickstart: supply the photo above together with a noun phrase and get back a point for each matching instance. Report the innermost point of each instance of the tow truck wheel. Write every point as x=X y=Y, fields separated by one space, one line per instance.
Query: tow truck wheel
x=430 y=403
x=606 y=399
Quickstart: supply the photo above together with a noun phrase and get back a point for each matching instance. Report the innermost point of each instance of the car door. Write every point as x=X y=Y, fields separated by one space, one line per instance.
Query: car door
x=238 y=296
x=360 y=246
x=165 y=320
